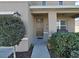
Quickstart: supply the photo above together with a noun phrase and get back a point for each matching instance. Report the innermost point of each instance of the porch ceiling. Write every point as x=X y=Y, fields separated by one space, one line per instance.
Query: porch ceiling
x=73 y=15
x=39 y=14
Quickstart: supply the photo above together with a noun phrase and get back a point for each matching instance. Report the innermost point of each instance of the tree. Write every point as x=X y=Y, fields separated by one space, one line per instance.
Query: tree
x=12 y=30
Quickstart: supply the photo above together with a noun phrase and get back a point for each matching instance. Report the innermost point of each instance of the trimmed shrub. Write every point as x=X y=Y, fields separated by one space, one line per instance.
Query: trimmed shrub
x=12 y=30
x=63 y=43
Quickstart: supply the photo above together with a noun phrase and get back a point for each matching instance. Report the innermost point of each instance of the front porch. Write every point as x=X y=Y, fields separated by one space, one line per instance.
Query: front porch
x=40 y=26
x=44 y=24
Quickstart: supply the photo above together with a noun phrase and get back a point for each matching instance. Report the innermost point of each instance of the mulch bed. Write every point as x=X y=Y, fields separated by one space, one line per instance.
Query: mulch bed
x=52 y=54
x=26 y=54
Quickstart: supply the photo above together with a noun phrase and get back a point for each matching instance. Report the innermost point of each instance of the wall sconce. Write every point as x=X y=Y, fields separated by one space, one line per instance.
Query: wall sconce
x=17 y=13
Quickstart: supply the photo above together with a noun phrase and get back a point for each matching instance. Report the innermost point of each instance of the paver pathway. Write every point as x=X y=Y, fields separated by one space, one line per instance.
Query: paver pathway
x=40 y=50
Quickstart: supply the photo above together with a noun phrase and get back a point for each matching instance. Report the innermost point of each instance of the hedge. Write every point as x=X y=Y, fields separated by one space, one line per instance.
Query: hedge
x=63 y=44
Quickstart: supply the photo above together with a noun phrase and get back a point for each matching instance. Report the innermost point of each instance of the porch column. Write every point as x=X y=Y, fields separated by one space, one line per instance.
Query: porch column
x=52 y=19
x=71 y=24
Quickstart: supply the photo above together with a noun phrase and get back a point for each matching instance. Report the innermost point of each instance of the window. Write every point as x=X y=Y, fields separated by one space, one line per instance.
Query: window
x=44 y=3
x=61 y=24
x=77 y=3
x=60 y=2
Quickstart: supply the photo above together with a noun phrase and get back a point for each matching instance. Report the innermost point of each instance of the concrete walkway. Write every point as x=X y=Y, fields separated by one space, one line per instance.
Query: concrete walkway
x=40 y=50
x=5 y=52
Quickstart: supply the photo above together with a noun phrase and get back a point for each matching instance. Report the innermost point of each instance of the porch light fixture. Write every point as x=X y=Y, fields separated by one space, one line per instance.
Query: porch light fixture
x=17 y=13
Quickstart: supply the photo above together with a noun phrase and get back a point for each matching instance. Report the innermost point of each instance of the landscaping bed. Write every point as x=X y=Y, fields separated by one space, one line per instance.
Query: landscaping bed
x=52 y=54
x=26 y=54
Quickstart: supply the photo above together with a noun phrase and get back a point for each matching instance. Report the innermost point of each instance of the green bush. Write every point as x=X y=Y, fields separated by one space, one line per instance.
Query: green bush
x=64 y=43
x=12 y=30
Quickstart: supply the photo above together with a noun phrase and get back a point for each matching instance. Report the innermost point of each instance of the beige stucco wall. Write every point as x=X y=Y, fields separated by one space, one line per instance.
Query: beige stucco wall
x=69 y=3
x=30 y=28
x=34 y=30
x=52 y=3
x=35 y=3
x=23 y=9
